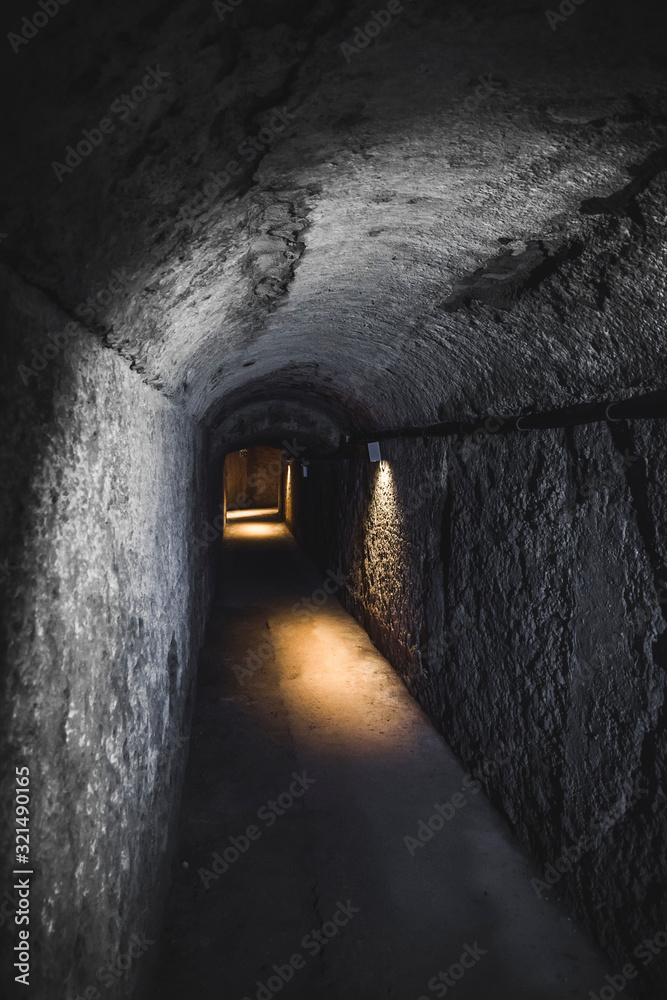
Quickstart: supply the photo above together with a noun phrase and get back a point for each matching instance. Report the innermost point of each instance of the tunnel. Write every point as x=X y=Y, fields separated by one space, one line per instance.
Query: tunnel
x=334 y=527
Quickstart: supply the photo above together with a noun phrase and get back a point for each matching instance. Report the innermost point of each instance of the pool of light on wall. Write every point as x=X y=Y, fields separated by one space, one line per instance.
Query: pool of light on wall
x=384 y=509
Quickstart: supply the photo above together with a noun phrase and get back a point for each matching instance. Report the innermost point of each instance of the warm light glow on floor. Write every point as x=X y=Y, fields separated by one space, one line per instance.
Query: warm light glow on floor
x=329 y=685
x=254 y=529
x=258 y=512
x=330 y=670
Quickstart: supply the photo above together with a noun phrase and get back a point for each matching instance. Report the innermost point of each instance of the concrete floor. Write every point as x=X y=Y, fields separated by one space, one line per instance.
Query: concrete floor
x=323 y=701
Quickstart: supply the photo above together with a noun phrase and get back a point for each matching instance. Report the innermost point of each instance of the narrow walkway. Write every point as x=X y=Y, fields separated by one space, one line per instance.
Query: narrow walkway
x=306 y=773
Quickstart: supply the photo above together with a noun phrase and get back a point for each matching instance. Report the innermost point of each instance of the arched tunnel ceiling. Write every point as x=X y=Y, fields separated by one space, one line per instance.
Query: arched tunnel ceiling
x=281 y=423
x=411 y=243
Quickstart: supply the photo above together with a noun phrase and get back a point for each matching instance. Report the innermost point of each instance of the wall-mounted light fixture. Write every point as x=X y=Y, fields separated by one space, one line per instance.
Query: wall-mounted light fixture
x=374 y=453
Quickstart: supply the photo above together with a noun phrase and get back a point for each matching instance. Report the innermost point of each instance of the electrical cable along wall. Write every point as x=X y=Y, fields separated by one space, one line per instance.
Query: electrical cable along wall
x=513 y=580
x=647 y=406
x=403 y=250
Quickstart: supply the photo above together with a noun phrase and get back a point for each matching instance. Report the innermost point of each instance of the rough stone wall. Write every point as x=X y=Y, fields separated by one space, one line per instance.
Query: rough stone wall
x=363 y=261
x=103 y=599
x=253 y=480
x=516 y=584
x=289 y=498
x=236 y=480
x=264 y=474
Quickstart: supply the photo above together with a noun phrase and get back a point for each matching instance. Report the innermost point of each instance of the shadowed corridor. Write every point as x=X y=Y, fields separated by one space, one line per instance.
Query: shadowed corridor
x=289 y=689
x=398 y=278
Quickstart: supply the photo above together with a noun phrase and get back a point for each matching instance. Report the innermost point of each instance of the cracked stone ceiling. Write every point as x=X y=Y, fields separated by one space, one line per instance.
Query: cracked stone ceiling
x=410 y=243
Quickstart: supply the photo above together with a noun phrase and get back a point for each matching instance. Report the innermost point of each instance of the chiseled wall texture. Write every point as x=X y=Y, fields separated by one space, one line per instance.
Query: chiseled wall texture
x=103 y=601
x=516 y=585
x=235 y=479
x=253 y=480
x=264 y=476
